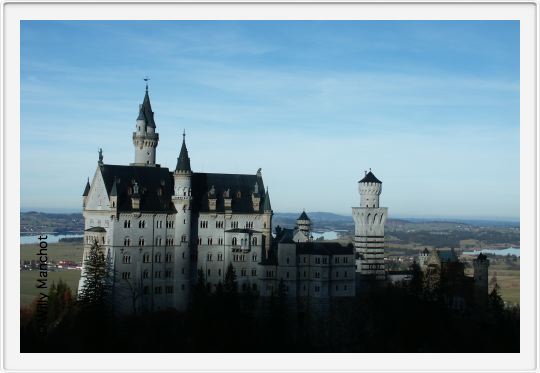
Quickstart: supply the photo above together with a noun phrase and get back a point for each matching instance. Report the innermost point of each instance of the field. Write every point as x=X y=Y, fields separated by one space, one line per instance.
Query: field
x=28 y=282
x=55 y=252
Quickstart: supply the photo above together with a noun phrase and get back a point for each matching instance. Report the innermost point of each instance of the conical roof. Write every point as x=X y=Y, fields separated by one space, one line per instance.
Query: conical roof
x=267 y=206
x=303 y=216
x=370 y=178
x=86 y=188
x=114 y=192
x=145 y=111
x=183 y=163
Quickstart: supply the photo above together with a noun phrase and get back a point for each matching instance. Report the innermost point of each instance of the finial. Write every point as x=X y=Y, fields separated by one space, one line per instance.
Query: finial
x=146 y=79
x=100 y=156
x=370 y=169
x=365 y=172
x=184 y=135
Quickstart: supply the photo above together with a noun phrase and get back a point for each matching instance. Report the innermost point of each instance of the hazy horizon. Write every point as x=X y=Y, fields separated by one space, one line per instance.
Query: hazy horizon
x=432 y=107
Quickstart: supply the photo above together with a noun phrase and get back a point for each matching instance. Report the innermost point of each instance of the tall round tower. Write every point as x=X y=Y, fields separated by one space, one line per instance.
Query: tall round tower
x=182 y=227
x=369 y=220
x=145 y=137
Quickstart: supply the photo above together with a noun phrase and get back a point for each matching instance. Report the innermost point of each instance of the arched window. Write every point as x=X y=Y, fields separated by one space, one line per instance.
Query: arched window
x=254 y=241
x=157 y=258
x=184 y=238
x=146 y=258
x=141 y=241
x=234 y=241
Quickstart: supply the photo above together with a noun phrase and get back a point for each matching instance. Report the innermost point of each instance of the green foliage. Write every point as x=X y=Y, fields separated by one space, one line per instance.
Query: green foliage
x=96 y=287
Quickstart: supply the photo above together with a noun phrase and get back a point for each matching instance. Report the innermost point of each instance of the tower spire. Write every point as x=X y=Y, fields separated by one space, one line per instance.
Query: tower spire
x=183 y=163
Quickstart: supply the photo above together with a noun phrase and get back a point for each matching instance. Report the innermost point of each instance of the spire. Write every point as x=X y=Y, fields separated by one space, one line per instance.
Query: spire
x=86 y=188
x=145 y=110
x=114 y=192
x=267 y=206
x=303 y=216
x=183 y=163
x=100 y=157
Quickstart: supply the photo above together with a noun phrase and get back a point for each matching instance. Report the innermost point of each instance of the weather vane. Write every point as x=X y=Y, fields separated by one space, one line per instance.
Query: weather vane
x=146 y=79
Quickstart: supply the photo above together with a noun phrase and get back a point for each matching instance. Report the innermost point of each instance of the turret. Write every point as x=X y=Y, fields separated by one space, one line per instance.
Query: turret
x=182 y=226
x=267 y=222
x=304 y=224
x=370 y=189
x=481 y=279
x=145 y=138
x=113 y=197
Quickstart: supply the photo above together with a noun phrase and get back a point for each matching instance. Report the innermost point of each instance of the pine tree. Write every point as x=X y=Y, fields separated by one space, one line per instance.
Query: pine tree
x=96 y=287
x=230 y=285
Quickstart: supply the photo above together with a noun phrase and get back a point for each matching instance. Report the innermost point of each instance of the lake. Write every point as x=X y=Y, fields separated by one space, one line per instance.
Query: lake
x=50 y=238
x=502 y=252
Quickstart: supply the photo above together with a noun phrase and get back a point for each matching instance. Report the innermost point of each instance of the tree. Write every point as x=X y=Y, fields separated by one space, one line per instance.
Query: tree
x=96 y=287
x=495 y=301
x=230 y=286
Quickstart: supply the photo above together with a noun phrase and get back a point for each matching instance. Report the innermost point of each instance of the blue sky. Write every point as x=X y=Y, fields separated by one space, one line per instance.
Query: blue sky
x=431 y=107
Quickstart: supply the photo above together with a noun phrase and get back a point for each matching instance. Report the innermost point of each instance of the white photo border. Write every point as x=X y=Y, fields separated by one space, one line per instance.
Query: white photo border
x=15 y=11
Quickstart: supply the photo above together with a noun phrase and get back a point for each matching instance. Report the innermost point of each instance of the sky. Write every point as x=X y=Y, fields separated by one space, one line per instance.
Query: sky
x=432 y=107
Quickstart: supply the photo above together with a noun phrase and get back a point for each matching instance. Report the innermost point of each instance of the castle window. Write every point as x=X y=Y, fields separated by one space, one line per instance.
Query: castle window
x=209 y=257
x=317 y=260
x=126 y=259
x=145 y=274
x=142 y=224
x=243 y=272
x=336 y=259
x=317 y=288
x=158 y=241
x=317 y=274
x=254 y=257
x=183 y=255
x=169 y=241
x=157 y=290
x=127 y=241
x=168 y=258
x=254 y=241
x=220 y=257
x=234 y=241
x=157 y=258
x=288 y=260
x=337 y=274
x=254 y=272
x=200 y=240
x=157 y=274
x=126 y=275
x=219 y=272
x=345 y=260
x=234 y=224
x=220 y=241
x=209 y=240
x=325 y=260
x=209 y=272
x=141 y=241
x=168 y=289
x=168 y=274
x=344 y=273
x=184 y=238
x=238 y=194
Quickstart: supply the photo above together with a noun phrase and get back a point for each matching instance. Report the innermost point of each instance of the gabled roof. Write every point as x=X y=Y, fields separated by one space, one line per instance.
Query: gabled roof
x=86 y=188
x=240 y=188
x=303 y=216
x=156 y=186
x=145 y=111
x=370 y=178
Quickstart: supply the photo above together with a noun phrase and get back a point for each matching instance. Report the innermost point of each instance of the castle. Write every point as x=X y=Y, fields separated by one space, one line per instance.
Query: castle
x=161 y=229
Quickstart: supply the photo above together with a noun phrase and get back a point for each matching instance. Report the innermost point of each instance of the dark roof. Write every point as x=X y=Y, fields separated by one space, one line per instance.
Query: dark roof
x=324 y=248
x=426 y=251
x=183 y=163
x=145 y=111
x=370 y=178
x=86 y=188
x=285 y=236
x=303 y=216
x=201 y=183
x=95 y=229
x=267 y=206
x=156 y=186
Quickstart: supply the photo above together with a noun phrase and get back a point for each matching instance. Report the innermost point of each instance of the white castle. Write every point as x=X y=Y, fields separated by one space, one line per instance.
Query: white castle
x=160 y=228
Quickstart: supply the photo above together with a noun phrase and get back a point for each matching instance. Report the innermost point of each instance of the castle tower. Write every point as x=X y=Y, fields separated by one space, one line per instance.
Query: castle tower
x=304 y=224
x=369 y=220
x=481 y=279
x=267 y=222
x=145 y=138
x=86 y=191
x=182 y=227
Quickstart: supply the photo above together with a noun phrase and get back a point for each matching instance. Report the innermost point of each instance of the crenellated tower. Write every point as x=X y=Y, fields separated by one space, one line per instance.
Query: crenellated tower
x=182 y=199
x=481 y=279
x=145 y=137
x=369 y=221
